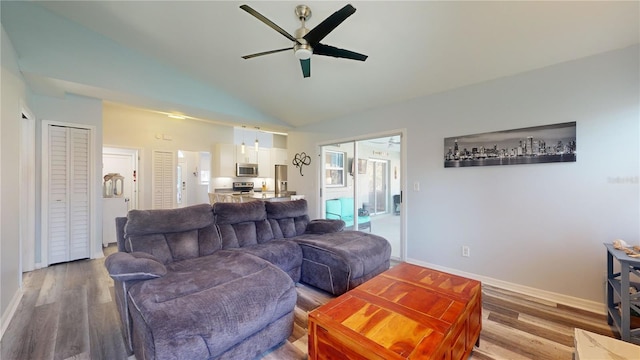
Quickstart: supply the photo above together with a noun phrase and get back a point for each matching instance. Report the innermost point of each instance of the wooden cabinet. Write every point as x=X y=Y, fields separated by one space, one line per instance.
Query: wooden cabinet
x=223 y=162
x=407 y=312
x=619 y=300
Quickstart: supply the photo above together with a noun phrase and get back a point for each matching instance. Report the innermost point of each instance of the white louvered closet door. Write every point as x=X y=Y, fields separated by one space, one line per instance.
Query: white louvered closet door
x=164 y=184
x=68 y=213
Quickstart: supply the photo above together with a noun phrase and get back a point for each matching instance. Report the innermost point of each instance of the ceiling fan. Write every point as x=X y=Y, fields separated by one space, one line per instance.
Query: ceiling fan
x=394 y=140
x=307 y=42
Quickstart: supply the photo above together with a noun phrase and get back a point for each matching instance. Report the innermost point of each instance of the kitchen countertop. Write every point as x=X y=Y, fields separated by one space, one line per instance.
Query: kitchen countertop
x=259 y=195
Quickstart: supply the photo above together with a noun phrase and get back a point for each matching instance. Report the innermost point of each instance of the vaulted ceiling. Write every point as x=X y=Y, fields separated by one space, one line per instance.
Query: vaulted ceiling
x=415 y=48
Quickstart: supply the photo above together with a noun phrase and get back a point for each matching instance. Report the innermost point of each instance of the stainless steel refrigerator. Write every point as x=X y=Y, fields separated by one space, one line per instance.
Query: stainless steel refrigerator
x=281 y=179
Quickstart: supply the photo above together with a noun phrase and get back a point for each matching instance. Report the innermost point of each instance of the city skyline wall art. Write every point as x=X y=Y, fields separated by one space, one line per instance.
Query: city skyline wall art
x=531 y=145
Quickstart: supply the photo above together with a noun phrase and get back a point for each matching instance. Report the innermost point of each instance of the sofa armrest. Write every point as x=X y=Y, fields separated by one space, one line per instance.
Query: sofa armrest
x=124 y=266
x=324 y=226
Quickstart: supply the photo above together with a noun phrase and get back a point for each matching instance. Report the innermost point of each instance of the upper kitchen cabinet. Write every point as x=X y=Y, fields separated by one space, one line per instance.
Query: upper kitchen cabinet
x=262 y=157
x=223 y=162
x=278 y=157
x=225 y=157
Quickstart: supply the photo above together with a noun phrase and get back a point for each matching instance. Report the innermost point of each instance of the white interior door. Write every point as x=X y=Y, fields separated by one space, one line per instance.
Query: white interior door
x=69 y=211
x=164 y=179
x=125 y=163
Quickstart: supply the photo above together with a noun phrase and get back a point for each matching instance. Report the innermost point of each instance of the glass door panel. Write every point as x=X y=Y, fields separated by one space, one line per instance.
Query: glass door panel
x=360 y=180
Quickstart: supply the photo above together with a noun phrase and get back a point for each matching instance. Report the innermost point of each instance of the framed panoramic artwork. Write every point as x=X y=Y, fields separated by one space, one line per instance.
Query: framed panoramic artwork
x=532 y=145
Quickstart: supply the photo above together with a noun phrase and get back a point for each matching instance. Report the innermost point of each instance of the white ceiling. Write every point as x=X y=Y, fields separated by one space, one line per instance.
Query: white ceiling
x=415 y=48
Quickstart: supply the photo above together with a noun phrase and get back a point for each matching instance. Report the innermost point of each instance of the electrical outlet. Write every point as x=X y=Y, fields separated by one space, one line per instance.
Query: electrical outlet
x=466 y=252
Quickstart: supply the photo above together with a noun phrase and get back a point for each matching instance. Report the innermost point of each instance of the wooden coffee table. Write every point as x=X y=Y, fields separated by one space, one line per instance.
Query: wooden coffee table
x=407 y=312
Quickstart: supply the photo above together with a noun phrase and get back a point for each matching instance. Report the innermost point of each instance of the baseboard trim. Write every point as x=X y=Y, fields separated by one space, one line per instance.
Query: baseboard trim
x=11 y=310
x=588 y=305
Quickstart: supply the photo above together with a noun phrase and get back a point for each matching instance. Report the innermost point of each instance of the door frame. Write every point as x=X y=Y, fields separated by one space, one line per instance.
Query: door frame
x=44 y=192
x=320 y=206
x=27 y=192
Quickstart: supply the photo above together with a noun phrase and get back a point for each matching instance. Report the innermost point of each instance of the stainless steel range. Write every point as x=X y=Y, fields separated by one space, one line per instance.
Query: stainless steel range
x=242 y=186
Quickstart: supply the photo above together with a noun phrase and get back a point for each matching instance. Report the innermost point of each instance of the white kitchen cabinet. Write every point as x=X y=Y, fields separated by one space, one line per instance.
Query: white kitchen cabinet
x=223 y=162
x=262 y=157
x=265 y=168
x=249 y=156
x=278 y=157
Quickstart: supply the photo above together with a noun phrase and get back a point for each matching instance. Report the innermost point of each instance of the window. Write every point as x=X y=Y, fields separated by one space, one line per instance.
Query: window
x=334 y=168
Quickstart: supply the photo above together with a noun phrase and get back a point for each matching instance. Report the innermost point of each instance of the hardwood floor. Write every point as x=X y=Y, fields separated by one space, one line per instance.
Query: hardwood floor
x=68 y=312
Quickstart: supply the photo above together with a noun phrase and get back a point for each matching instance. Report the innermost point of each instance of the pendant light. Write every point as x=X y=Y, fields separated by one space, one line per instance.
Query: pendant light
x=256 y=144
x=242 y=146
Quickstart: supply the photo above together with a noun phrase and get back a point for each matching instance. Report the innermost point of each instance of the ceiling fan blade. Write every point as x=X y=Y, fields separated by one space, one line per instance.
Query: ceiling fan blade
x=306 y=67
x=327 y=50
x=265 y=53
x=327 y=25
x=270 y=23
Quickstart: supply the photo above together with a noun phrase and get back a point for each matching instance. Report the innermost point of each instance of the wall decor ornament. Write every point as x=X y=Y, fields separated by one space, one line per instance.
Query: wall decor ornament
x=531 y=145
x=301 y=159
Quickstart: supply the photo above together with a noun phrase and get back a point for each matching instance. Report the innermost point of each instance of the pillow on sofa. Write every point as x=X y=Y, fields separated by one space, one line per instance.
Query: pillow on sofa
x=323 y=226
x=124 y=266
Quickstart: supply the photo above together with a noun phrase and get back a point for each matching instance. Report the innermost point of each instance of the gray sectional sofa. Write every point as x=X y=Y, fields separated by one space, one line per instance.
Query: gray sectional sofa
x=219 y=283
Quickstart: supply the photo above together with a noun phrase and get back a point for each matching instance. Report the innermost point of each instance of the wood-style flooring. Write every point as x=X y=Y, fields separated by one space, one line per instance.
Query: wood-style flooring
x=68 y=312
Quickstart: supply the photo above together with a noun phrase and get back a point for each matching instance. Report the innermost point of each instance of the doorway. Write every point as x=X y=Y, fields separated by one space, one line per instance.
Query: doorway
x=124 y=162
x=365 y=174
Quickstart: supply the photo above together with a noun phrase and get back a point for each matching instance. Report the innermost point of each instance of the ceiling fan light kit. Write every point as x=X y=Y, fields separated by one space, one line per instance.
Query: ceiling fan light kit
x=307 y=42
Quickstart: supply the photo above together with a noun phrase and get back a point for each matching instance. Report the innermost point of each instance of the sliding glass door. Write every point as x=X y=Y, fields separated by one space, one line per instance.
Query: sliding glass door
x=361 y=184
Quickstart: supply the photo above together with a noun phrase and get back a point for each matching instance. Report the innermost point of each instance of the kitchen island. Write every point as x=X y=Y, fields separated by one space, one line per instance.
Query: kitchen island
x=244 y=191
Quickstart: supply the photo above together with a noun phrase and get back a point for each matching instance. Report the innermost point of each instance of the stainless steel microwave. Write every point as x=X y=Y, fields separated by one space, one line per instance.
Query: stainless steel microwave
x=246 y=170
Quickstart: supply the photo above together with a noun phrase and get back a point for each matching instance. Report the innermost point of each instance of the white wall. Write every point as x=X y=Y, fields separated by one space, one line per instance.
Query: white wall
x=147 y=131
x=75 y=110
x=540 y=226
x=13 y=95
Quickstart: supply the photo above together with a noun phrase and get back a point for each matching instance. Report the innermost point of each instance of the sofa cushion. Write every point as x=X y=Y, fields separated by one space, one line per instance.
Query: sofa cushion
x=287 y=218
x=134 y=266
x=233 y=213
x=332 y=261
x=205 y=306
x=323 y=226
x=172 y=234
x=242 y=224
x=284 y=254
x=143 y=222
x=286 y=209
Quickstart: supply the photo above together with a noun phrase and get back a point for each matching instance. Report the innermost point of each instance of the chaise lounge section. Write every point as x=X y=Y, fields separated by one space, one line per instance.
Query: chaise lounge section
x=219 y=283
x=182 y=295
